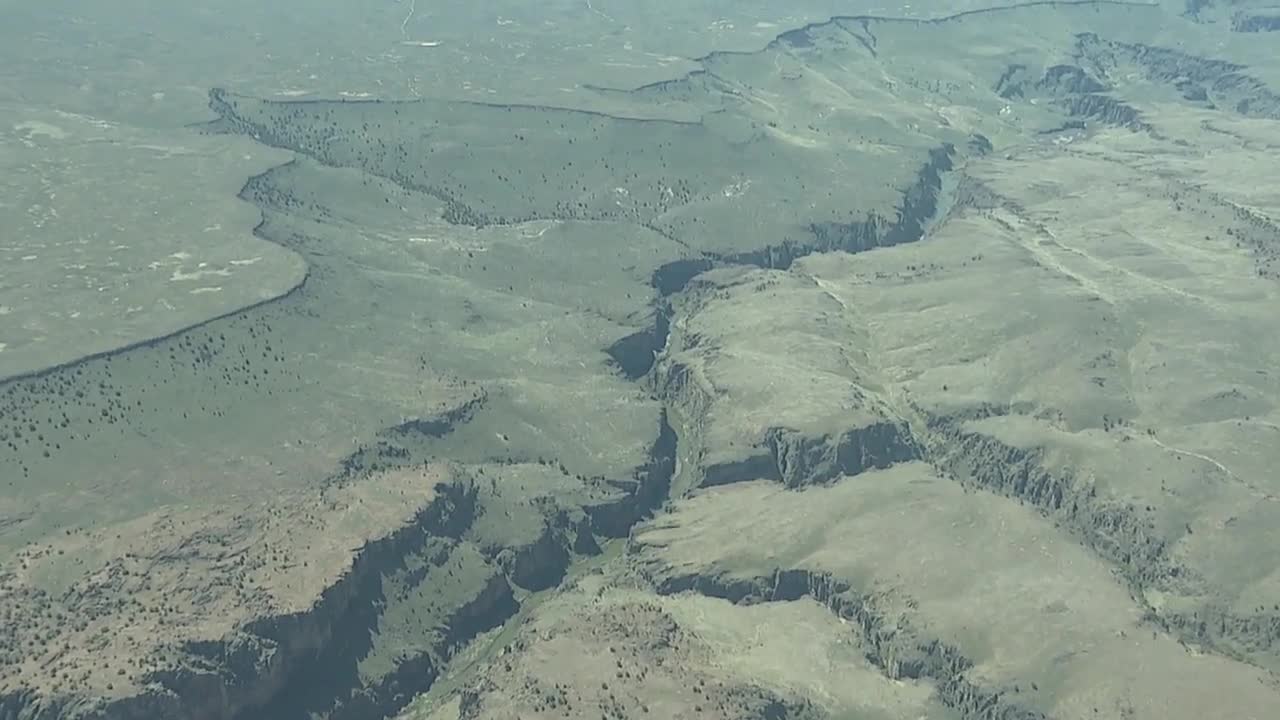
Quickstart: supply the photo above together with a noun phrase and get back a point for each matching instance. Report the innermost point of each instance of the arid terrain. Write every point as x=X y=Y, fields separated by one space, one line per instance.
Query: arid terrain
x=603 y=361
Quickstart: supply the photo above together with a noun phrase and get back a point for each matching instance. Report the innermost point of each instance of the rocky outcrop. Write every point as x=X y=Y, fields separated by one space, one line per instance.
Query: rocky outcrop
x=890 y=638
x=540 y=564
x=672 y=277
x=802 y=459
x=491 y=604
x=759 y=465
x=440 y=425
x=798 y=459
x=229 y=677
x=1118 y=531
x=635 y=353
x=783 y=454
x=922 y=202
x=306 y=661
x=643 y=493
x=1074 y=90
x=325 y=684
x=1115 y=532
x=1105 y=109
x=1245 y=22
x=1225 y=83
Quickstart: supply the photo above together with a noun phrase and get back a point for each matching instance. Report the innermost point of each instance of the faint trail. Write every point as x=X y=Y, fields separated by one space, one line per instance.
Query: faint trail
x=409 y=78
x=895 y=405
x=593 y=9
x=1196 y=455
x=1262 y=493
x=404 y=24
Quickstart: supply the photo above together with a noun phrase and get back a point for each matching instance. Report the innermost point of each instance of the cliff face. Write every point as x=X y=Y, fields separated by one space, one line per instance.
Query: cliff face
x=892 y=643
x=425 y=597
x=227 y=678
x=346 y=609
x=1259 y=22
x=796 y=435
x=803 y=460
x=386 y=626
x=1228 y=85
x=1125 y=533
